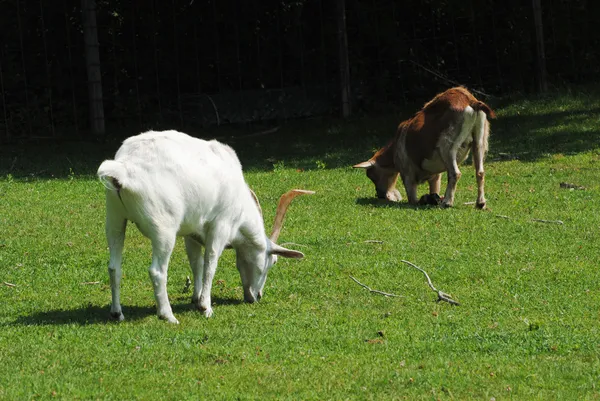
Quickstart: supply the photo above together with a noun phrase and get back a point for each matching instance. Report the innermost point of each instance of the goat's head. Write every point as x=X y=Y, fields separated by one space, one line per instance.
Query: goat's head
x=383 y=177
x=254 y=265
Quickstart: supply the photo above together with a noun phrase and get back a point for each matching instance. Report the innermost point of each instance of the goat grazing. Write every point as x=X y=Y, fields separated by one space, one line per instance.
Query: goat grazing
x=434 y=140
x=170 y=184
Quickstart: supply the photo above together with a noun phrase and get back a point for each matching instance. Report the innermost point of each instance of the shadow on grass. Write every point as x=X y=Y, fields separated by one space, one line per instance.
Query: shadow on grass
x=533 y=129
x=93 y=314
x=377 y=202
x=531 y=137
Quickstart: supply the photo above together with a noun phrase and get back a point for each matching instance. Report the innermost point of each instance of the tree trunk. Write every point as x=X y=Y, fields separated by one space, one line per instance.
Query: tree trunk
x=344 y=63
x=542 y=85
x=92 y=61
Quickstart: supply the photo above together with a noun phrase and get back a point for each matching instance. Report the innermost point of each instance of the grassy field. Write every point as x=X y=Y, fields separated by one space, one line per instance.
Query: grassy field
x=527 y=328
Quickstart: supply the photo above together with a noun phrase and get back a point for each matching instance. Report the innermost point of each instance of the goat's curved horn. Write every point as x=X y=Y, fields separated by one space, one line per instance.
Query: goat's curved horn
x=284 y=202
x=257 y=202
x=367 y=164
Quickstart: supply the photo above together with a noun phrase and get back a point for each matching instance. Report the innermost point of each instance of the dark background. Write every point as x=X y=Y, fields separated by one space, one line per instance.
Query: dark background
x=178 y=64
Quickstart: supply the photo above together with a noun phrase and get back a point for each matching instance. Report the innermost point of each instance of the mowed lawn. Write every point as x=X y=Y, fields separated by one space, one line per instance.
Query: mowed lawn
x=527 y=327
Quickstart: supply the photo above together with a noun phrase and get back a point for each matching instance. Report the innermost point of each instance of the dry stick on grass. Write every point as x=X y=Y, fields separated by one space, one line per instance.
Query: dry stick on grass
x=187 y=285
x=91 y=283
x=442 y=296
x=560 y=222
x=548 y=221
x=373 y=241
x=385 y=294
x=9 y=284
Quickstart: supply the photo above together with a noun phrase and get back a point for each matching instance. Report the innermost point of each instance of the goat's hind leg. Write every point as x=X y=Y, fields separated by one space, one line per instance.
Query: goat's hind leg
x=116 y=225
x=162 y=247
x=194 y=253
x=479 y=148
x=453 y=177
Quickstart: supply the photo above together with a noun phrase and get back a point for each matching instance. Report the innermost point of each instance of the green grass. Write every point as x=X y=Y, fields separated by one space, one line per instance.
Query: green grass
x=527 y=328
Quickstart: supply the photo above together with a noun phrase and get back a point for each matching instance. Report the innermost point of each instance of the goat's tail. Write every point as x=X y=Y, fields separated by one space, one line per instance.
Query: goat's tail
x=112 y=174
x=479 y=105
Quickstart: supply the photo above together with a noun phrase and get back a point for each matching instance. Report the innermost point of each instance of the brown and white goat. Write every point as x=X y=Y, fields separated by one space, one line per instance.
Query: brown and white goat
x=436 y=139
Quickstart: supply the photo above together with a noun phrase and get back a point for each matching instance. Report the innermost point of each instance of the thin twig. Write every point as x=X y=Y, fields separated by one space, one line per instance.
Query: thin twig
x=261 y=133
x=502 y=216
x=437 y=74
x=12 y=165
x=9 y=284
x=187 y=285
x=90 y=283
x=385 y=294
x=253 y=135
x=568 y=185
x=373 y=241
x=469 y=203
x=442 y=296
x=548 y=221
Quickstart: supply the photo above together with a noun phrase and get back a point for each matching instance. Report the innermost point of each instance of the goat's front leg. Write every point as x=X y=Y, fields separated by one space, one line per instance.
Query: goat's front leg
x=410 y=185
x=434 y=184
x=194 y=253
x=162 y=247
x=214 y=247
x=115 y=236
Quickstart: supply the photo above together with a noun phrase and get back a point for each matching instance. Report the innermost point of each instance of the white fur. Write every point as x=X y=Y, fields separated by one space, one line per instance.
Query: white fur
x=170 y=184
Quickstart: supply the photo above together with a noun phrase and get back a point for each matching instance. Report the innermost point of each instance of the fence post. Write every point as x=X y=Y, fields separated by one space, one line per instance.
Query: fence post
x=92 y=61
x=344 y=63
x=542 y=85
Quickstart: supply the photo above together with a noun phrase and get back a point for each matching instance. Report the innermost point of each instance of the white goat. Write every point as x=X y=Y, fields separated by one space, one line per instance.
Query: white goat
x=170 y=184
x=436 y=139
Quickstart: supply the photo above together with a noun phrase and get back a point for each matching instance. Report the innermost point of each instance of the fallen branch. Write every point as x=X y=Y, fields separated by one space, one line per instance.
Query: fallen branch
x=187 y=284
x=442 y=296
x=9 y=284
x=535 y=220
x=548 y=221
x=385 y=294
x=568 y=185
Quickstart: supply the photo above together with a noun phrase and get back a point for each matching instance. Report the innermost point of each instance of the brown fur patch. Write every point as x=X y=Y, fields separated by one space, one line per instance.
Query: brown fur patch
x=423 y=130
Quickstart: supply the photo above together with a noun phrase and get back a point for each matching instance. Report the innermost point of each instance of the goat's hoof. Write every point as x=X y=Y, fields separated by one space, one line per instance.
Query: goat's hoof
x=430 y=199
x=117 y=316
x=446 y=205
x=480 y=205
x=170 y=319
x=207 y=312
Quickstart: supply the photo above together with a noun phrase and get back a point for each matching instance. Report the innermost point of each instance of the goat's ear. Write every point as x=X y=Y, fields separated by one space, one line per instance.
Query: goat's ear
x=367 y=164
x=284 y=252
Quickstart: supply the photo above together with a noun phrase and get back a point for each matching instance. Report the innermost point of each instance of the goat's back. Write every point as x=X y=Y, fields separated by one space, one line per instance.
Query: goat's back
x=169 y=172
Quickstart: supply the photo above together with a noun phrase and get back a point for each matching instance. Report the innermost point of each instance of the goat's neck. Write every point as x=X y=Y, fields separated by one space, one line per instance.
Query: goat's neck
x=385 y=156
x=251 y=230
